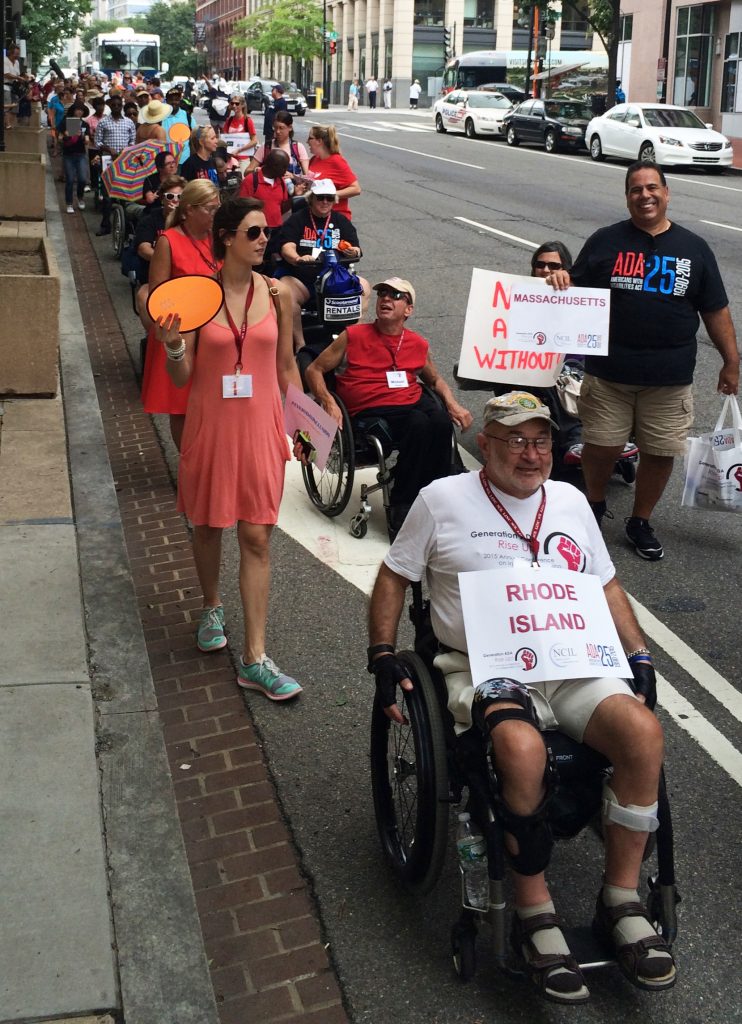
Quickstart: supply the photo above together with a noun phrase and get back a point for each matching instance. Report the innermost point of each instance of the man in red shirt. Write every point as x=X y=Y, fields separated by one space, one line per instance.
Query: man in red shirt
x=267 y=183
x=383 y=364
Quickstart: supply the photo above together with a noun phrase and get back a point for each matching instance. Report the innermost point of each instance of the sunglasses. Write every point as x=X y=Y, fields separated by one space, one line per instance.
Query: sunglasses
x=172 y=197
x=323 y=199
x=254 y=232
x=392 y=293
x=546 y=265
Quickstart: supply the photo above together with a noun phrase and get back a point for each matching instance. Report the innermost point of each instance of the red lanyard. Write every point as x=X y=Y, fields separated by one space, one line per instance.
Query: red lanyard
x=532 y=539
x=209 y=263
x=239 y=334
x=396 y=351
x=320 y=235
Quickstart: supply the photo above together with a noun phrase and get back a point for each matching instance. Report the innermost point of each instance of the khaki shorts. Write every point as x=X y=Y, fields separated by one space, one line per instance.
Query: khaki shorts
x=565 y=704
x=659 y=418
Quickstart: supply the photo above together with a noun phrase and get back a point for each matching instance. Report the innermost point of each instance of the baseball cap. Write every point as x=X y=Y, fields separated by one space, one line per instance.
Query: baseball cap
x=323 y=187
x=514 y=408
x=399 y=284
x=278 y=87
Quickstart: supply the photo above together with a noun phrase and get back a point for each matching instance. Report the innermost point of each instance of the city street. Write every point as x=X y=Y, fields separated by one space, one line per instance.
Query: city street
x=434 y=206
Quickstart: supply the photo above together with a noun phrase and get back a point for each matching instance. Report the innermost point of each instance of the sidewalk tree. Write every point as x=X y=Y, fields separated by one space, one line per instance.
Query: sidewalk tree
x=603 y=17
x=89 y=32
x=174 y=25
x=288 y=28
x=46 y=24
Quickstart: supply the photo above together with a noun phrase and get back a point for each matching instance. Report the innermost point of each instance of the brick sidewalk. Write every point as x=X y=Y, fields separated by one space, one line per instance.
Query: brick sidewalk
x=261 y=933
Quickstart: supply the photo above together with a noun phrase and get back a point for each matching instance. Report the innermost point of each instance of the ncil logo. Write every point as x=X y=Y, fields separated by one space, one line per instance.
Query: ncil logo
x=562 y=654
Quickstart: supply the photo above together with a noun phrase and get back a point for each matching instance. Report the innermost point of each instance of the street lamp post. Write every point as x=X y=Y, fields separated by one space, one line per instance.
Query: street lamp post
x=324 y=49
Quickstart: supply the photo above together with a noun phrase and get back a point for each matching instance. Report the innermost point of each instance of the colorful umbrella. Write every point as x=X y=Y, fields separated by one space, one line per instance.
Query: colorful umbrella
x=125 y=175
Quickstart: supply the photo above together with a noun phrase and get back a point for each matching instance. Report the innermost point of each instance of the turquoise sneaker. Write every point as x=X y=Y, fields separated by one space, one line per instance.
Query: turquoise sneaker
x=210 y=634
x=266 y=677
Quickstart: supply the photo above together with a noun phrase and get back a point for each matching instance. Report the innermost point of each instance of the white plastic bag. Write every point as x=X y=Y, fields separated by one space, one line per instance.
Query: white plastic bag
x=713 y=465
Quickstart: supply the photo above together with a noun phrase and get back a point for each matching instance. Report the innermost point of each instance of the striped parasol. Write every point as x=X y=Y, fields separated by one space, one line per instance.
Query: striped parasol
x=125 y=175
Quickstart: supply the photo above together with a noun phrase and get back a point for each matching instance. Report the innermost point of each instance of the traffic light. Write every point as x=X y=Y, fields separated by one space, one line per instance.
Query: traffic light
x=333 y=47
x=447 y=43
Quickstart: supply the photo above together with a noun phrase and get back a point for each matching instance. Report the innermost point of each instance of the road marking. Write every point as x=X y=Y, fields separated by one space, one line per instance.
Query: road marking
x=358 y=561
x=413 y=152
x=496 y=231
x=706 y=676
x=716 y=224
x=706 y=736
x=368 y=127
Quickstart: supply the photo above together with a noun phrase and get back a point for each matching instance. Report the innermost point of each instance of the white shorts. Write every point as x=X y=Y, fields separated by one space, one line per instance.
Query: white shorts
x=565 y=704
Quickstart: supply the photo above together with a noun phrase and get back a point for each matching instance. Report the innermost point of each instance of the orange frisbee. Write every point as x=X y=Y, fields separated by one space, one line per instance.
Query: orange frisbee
x=196 y=300
x=179 y=132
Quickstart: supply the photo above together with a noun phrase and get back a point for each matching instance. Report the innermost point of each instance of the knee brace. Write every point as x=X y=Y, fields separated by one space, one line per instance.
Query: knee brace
x=631 y=816
x=533 y=834
x=485 y=713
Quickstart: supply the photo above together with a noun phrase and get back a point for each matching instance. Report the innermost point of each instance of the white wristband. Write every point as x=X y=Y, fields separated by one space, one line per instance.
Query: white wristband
x=176 y=354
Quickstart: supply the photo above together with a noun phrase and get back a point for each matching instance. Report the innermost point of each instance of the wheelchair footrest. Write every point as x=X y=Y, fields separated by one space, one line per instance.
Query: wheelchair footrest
x=589 y=953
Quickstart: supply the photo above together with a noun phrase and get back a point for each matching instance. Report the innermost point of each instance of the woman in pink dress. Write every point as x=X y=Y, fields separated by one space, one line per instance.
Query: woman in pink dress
x=234 y=451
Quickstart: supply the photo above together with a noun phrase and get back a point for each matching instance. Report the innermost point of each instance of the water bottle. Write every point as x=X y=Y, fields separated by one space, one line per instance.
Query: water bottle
x=472 y=851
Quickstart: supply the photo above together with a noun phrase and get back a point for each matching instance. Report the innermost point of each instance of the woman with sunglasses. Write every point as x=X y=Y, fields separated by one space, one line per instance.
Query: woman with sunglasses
x=185 y=247
x=550 y=256
x=328 y=162
x=234 y=453
x=152 y=222
x=165 y=167
x=239 y=121
x=301 y=241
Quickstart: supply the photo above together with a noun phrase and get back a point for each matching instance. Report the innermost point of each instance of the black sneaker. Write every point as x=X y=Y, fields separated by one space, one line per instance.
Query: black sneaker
x=641 y=535
x=600 y=512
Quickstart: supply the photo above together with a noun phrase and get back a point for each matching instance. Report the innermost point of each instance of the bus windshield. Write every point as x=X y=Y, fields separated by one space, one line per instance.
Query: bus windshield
x=127 y=56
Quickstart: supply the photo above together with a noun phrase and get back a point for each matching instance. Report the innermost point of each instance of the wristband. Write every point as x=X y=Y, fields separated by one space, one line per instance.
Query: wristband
x=176 y=354
x=641 y=652
x=375 y=649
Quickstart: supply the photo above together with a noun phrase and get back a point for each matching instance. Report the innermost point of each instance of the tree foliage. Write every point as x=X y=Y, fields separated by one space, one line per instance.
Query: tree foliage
x=289 y=28
x=88 y=34
x=174 y=26
x=45 y=24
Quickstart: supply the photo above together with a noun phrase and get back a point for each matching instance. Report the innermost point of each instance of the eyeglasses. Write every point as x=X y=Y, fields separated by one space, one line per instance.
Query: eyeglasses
x=172 y=197
x=543 y=445
x=392 y=293
x=323 y=199
x=546 y=265
x=254 y=232
x=235 y=103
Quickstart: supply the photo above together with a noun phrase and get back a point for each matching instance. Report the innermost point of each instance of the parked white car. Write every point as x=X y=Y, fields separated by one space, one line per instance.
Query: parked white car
x=471 y=112
x=671 y=136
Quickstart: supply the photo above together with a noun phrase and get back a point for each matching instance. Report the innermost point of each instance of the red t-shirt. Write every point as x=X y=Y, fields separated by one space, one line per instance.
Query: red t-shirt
x=254 y=184
x=238 y=123
x=338 y=170
x=363 y=383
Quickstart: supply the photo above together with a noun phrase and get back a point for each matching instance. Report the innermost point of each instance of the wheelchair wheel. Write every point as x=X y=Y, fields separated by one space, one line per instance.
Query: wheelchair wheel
x=330 y=489
x=118 y=229
x=410 y=782
x=627 y=470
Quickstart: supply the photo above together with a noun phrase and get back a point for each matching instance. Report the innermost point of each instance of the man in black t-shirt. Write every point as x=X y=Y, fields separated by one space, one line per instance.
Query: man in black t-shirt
x=661 y=277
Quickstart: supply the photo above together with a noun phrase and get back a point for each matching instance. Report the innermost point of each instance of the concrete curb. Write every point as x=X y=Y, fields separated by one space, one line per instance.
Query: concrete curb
x=163 y=973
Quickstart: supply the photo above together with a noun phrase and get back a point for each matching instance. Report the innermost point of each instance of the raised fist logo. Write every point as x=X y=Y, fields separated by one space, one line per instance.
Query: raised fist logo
x=738 y=477
x=570 y=552
x=528 y=658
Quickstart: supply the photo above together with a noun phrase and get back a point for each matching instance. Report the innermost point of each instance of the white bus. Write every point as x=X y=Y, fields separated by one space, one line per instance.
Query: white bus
x=126 y=50
x=480 y=67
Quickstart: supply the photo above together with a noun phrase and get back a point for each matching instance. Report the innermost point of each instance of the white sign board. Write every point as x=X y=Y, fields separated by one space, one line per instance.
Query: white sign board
x=533 y=625
x=519 y=329
x=236 y=140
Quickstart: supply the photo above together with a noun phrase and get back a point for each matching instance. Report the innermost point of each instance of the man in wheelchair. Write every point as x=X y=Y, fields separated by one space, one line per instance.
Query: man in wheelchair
x=377 y=369
x=493 y=519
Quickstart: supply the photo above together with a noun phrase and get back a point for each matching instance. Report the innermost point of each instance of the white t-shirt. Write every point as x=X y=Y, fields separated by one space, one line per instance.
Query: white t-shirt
x=415 y=91
x=11 y=67
x=453 y=527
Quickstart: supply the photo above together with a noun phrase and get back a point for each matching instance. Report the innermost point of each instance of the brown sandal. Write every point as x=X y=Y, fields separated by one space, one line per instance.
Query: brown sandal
x=634 y=959
x=555 y=976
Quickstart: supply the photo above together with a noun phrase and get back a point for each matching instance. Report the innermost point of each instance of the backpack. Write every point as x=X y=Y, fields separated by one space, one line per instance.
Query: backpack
x=338 y=291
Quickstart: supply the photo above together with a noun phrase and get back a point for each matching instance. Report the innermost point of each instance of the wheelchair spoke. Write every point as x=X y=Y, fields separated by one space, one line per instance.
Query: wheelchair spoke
x=404 y=783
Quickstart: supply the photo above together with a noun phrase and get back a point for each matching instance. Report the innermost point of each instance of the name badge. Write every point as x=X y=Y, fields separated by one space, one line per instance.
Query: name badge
x=237 y=385
x=396 y=378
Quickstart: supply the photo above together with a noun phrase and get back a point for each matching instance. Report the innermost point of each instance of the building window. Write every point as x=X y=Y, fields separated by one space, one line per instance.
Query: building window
x=731 y=73
x=626 y=30
x=574 y=21
x=429 y=12
x=693 y=55
x=479 y=14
